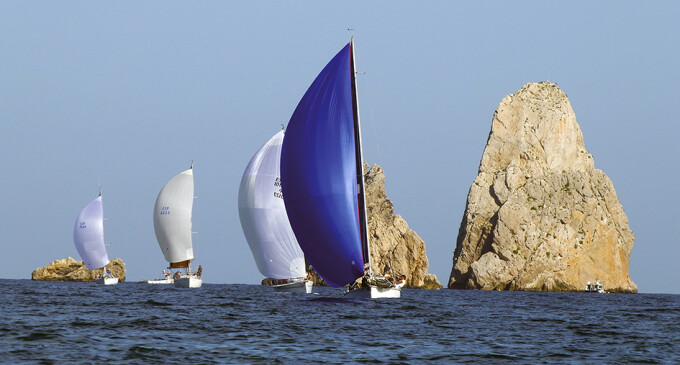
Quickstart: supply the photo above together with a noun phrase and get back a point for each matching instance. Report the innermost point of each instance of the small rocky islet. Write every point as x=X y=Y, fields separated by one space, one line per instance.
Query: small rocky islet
x=69 y=269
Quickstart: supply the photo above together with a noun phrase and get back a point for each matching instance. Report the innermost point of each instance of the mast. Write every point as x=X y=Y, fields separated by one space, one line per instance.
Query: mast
x=103 y=239
x=361 y=192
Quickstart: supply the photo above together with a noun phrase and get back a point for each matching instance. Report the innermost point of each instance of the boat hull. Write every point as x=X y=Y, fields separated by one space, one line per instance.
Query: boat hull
x=188 y=282
x=595 y=287
x=298 y=287
x=160 y=281
x=107 y=281
x=375 y=292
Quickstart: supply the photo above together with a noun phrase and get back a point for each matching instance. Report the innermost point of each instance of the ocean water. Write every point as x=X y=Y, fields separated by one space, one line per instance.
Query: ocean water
x=60 y=322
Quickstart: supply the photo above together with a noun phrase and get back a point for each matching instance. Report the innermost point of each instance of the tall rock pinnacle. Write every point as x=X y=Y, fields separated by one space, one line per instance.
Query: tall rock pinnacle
x=395 y=248
x=539 y=216
x=393 y=243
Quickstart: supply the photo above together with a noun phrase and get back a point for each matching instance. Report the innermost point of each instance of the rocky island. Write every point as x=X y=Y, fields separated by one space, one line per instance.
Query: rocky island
x=71 y=270
x=539 y=216
x=393 y=244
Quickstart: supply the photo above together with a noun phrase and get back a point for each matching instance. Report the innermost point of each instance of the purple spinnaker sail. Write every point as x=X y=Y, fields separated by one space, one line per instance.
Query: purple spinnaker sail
x=319 y=175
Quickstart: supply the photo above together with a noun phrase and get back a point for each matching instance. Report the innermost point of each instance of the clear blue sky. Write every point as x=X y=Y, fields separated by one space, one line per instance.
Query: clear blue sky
x=128 y=93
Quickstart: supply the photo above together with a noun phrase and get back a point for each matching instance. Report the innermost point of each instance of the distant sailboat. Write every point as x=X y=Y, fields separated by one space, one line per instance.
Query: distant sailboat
x=323 y=184
x=265 y=223
x=172 y=224
x=166 y=279
x=88 y=236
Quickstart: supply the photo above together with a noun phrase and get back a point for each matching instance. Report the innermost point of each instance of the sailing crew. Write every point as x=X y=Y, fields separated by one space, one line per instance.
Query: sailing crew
x=401 y=281
x=199 y=271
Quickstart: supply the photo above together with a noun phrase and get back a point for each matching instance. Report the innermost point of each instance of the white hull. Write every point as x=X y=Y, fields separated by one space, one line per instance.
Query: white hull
x=188 y=282
x=299 y=287
x=375 y=292
x=160 y=281
x=595 y=287
x=107 y=281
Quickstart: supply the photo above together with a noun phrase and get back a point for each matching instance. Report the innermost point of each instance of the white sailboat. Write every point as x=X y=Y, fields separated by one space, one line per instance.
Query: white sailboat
x=323 y=181
x=172 y=224
x=166 y=279
x=265 y=223
x=88 y=236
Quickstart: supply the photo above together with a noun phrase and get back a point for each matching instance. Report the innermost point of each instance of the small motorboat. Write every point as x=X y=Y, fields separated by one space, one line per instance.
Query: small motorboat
x=595 y=287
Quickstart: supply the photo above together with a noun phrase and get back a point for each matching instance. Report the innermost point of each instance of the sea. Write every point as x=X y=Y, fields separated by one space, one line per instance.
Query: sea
x=137 y=323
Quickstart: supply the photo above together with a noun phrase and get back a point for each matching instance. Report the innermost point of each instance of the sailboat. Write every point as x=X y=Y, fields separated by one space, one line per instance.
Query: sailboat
x=166 y=279
x=265 y=224
x=88 y=236
x=323 y=181
x=172 y=224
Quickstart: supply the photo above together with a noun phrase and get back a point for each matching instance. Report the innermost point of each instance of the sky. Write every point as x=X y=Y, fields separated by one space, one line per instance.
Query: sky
x=127 y=94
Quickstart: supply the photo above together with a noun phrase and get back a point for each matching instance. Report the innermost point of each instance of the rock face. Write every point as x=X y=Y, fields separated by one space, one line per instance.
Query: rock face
x=71 y=270
x=393 y=244
x=539 y=216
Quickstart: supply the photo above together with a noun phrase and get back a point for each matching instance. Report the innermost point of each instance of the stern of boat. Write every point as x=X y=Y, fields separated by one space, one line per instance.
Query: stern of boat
x=375 y=292
x=188 y=282
x=298 y=287
x=107 y=281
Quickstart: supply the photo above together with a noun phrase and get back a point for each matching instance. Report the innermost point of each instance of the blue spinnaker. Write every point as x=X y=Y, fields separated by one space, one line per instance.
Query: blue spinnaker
x=319 y=177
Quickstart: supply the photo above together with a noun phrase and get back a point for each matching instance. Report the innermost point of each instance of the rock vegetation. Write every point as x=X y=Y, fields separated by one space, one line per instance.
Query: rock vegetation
x=69 y=269
x=539 y=216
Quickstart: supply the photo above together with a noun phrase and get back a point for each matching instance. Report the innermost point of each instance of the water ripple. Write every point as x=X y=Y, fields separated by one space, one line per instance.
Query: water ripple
x=53 y=322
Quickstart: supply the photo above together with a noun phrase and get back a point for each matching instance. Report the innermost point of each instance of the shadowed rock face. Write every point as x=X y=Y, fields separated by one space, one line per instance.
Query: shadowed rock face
x=393 y=244
x=539 y=216
x=71 y=270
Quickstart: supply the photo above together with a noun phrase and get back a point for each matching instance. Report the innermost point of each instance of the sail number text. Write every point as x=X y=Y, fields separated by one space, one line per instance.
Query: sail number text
x=277 y=183
x=165 y=210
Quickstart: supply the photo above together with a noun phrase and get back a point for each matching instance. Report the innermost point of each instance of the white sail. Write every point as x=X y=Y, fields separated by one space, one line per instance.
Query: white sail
x=88 y=235
x=263 y=215
x=172 y=217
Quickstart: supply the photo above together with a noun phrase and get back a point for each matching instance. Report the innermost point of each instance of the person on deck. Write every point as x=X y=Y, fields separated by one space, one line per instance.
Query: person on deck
x=199 y=272
x=401 y=281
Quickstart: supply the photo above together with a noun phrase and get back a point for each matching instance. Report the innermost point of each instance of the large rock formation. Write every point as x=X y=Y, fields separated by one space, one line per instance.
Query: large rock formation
x=393 y=244
x=71 y=270
x=539 y=216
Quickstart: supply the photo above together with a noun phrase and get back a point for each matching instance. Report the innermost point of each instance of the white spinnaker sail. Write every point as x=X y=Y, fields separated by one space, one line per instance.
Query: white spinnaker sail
x=263 y=215
x=172 y=217
x=88 y=235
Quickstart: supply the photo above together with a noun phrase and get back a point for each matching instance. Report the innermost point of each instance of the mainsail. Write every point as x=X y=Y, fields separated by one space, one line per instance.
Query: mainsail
x=320 y=176
x=263 y=215
x=88 y=235
x=172 y=219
